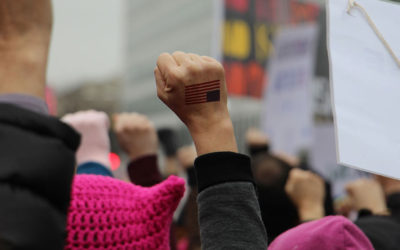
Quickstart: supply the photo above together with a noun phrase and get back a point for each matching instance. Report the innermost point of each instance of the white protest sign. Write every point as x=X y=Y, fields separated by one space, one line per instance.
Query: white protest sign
x=323 y=150
x=287 y=115
x=323 y=160
x=365 y=80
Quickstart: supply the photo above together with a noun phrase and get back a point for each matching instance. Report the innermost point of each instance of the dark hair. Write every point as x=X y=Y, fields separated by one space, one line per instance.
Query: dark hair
x=277 y=210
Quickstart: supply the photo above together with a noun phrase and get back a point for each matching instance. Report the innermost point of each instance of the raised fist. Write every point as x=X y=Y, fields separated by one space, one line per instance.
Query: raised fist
x=95 y=143
x=136 y=134
x=307 y=191
x=194 y=88
x=367 y=194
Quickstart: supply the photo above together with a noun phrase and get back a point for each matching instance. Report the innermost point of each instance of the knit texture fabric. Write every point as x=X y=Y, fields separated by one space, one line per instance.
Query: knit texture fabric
x=106 y=213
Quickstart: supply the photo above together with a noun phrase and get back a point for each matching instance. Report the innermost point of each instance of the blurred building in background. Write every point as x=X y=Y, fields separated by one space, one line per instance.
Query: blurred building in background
x=110 y=67
x=104 y=96
x=153 y=27
x=103 y=58
x=147 y=28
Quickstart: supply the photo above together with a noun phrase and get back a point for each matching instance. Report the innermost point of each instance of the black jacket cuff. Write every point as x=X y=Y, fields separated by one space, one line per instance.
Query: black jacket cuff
x=221 y=167
x=144 y=171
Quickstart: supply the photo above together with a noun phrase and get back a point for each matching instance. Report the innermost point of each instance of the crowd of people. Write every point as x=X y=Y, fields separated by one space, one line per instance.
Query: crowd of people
x=58 y=191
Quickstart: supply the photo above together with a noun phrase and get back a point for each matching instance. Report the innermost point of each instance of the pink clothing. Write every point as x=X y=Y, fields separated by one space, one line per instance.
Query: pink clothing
x=95 y=142
x=106 y=213
x=329 y=233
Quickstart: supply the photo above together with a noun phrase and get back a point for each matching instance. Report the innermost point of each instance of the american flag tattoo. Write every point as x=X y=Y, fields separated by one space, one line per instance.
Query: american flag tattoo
x=202 y=92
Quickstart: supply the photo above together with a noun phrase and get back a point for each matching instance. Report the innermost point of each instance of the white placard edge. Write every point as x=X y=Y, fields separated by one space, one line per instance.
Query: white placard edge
x=333 y=99
x=328 y=47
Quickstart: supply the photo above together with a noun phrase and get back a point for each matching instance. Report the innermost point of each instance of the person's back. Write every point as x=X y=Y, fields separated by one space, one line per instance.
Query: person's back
x=36 y=151
x=36 y=167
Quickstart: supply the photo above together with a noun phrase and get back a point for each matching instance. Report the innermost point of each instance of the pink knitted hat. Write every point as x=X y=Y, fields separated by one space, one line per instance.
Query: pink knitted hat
x=106 y=213
x=329 y=233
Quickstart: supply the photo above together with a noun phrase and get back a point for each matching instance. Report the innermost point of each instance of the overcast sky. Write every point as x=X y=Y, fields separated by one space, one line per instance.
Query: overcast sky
x=87 y=42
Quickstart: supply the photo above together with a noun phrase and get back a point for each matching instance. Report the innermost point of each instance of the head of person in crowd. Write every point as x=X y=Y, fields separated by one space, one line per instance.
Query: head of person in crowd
x=331 y=232
x=298 y=195
x=271 y=174
x=25 y=30
x=106 y=213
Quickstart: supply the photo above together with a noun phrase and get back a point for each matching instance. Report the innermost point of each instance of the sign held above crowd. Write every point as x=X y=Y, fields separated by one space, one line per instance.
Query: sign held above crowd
x=287 y=112
x=363 y=44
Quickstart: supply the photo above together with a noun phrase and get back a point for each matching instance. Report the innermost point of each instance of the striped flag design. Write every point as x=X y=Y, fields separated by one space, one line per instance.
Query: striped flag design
x=202 y=92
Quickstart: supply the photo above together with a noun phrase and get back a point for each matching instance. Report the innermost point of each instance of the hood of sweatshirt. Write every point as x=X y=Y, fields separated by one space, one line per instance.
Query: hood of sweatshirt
x=331 y=232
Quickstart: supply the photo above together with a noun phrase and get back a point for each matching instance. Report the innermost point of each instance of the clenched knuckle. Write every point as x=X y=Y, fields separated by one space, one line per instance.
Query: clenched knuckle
x=174 y=75
x=192 y=68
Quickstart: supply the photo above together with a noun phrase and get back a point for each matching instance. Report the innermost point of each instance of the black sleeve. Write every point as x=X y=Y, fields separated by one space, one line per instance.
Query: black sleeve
x=229 y=213
x=382 y=231
x=393 y=203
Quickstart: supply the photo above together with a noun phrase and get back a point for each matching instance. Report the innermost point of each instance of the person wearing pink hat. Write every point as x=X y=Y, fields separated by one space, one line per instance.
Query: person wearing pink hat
x=106 y=213
x=96 y=197
x=329 y=233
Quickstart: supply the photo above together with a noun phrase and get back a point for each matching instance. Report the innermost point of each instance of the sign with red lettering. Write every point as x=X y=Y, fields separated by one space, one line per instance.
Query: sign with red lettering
x=287 y=115
x=248 y=29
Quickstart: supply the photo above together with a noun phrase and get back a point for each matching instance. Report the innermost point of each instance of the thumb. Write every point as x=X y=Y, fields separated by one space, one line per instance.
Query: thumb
x=161 y=85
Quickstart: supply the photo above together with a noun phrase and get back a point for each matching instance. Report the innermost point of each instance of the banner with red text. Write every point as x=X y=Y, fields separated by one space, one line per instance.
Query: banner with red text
x=248 y=28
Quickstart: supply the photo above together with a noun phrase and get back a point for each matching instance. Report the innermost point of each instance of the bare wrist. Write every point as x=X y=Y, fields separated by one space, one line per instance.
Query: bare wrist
x=215 y=137
x=311 y=212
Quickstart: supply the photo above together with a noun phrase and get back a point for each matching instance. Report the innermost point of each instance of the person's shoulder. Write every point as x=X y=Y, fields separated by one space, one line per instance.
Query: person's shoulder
x=32 y=122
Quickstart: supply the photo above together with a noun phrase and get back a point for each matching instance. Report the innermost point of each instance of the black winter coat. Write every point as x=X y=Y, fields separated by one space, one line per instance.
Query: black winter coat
x=37 y=160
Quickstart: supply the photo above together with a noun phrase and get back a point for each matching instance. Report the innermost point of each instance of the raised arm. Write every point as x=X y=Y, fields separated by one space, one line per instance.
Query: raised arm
x=92 y=156
x=138 y=138
x=194 y=88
